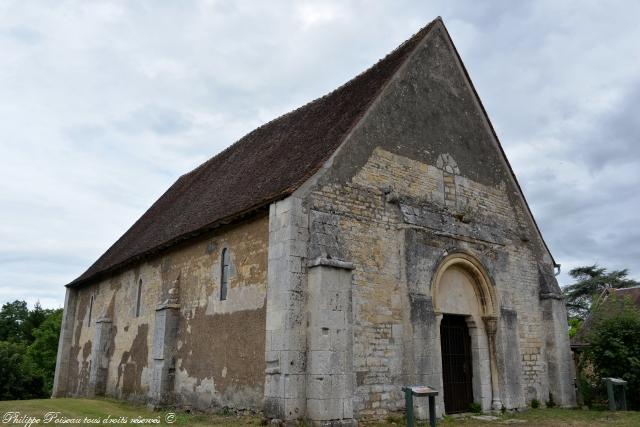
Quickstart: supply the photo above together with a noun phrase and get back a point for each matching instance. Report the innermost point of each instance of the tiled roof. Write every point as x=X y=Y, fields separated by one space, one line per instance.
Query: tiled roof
x=267 y=164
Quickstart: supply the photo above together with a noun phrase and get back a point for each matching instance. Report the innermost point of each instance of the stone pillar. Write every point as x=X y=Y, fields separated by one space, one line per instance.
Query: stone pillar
x=508 y=360
x=437 y=363
x=98 y=372
x=558 y=351
x=165 y=333
x=426 y=351
x=481 y=362
x=491 y=326
x=330 y=374
x=60 y=379
x=286 y=340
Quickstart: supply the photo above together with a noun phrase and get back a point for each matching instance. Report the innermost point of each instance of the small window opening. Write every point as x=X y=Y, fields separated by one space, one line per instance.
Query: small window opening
x=224 y=274
x=139 y=298
x=90 y=310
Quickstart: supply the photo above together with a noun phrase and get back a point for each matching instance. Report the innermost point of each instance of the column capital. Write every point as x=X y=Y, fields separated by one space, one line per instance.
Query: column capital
x=491 y=324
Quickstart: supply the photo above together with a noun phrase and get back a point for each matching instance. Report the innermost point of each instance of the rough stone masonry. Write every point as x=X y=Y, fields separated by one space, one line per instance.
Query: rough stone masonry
x=372 y=239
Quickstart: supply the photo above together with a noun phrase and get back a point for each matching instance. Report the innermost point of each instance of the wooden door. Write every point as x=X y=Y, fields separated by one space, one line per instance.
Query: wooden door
x=456 y=364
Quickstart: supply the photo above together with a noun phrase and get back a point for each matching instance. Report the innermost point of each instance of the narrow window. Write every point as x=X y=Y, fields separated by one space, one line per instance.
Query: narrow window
x=139 y=298
x=90 y=310
x=224 y=274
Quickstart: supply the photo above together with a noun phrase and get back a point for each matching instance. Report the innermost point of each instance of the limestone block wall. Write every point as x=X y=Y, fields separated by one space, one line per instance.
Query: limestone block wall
x=214 y=355
x=392 y=222
x=330 y=375
x=286 y=316
x=420 y=177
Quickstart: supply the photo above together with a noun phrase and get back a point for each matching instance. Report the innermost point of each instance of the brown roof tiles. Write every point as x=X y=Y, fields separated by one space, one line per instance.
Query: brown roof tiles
x=267 y=164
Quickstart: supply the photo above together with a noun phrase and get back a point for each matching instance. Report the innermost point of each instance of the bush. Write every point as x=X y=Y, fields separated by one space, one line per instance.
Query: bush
x=475 y=407
x=41 y=353
x=18 y=382
x=28 y=348
x=550 y=403
x=535 y=403
x=614 y=349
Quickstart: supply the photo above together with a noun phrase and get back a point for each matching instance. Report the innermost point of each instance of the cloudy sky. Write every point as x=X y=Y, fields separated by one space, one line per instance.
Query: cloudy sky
x=104 y=104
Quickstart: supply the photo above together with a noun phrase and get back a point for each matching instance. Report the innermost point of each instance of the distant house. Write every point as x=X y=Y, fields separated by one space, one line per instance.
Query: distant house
x=610 y=300
x=373 y=238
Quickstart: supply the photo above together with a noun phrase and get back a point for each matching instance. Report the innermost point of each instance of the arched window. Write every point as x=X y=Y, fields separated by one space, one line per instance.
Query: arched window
x=139 y=298
x=90 y=310
x=224 y=274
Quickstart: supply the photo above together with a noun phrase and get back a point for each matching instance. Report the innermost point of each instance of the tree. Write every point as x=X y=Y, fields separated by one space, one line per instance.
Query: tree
x=13 y=318
x=28 y=348
x=41 y=353
x=17 y=381
x=574 y=325
x=591 y=281
x=614 y=349
x=34 y=320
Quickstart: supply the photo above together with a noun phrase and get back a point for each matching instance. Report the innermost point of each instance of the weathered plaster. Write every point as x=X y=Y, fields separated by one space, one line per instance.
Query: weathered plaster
x=219 y=348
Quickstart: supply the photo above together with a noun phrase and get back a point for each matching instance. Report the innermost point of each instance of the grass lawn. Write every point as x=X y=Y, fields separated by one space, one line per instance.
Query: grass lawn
x=536 y=418
x=86 y=410
x=100 y=409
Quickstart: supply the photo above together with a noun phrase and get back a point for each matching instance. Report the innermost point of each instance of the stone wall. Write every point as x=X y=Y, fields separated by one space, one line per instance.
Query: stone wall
x=202 y=352
x=331 y=308
x=387 y=221
x=286 y=337
x=420 y=177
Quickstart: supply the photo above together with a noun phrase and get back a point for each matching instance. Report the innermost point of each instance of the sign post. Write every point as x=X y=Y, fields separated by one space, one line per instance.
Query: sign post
x=418 y=390
x=613 y=402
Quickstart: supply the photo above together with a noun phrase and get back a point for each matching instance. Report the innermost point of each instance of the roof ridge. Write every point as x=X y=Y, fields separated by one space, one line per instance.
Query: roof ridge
x=424 y=29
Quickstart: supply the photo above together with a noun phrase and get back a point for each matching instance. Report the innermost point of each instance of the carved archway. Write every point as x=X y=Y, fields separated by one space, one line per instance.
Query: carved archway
x=462 y=286
x=483 y=285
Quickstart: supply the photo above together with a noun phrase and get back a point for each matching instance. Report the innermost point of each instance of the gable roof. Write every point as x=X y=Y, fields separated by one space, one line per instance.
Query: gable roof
x=267 y=164
x=632 y=293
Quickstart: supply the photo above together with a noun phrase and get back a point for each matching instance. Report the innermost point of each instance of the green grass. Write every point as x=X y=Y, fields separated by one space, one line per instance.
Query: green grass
x=101 y=408
x=553 y=417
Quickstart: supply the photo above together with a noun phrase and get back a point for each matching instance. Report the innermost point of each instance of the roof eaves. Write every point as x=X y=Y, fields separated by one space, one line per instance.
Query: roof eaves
x=175 y=241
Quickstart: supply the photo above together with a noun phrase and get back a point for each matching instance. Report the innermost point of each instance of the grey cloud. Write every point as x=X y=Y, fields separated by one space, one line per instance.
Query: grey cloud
x=22 y=34
x=160 y=120
x=615 y=137
x=104 y=106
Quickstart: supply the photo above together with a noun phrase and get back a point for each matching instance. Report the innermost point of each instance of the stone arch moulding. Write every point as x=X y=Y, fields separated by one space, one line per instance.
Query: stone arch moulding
x=484 y=285
x=482 y=328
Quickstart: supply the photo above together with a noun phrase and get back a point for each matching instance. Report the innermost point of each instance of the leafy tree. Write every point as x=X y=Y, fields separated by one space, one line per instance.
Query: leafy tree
x=591 y=281
x=34 y=320
x=41 y=353
x=574 y=325
x=18 y=382
x=28 y=348
x=614 y=349
x=13 y=318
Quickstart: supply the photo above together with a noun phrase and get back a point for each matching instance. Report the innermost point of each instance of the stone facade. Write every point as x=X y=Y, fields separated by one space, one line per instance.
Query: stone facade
x=336 y=299
x=185 y=346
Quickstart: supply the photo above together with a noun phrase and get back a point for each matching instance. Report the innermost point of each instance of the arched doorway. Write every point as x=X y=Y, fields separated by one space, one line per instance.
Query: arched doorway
x=464 y=300
x=457 y=364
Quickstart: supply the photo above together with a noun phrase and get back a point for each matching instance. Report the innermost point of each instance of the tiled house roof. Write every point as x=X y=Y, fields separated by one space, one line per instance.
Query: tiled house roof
x=626 y=294
x=267 y=164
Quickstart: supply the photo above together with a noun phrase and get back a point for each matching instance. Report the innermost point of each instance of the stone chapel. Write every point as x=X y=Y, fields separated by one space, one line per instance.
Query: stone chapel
x=374 y=238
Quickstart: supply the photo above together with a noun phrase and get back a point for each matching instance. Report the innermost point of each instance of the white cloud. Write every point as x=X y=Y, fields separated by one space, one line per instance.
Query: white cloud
x=106 y=103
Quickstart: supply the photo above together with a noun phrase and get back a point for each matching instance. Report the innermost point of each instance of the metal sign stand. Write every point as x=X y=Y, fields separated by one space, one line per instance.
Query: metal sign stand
x=411 y=391
x=617 y=382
